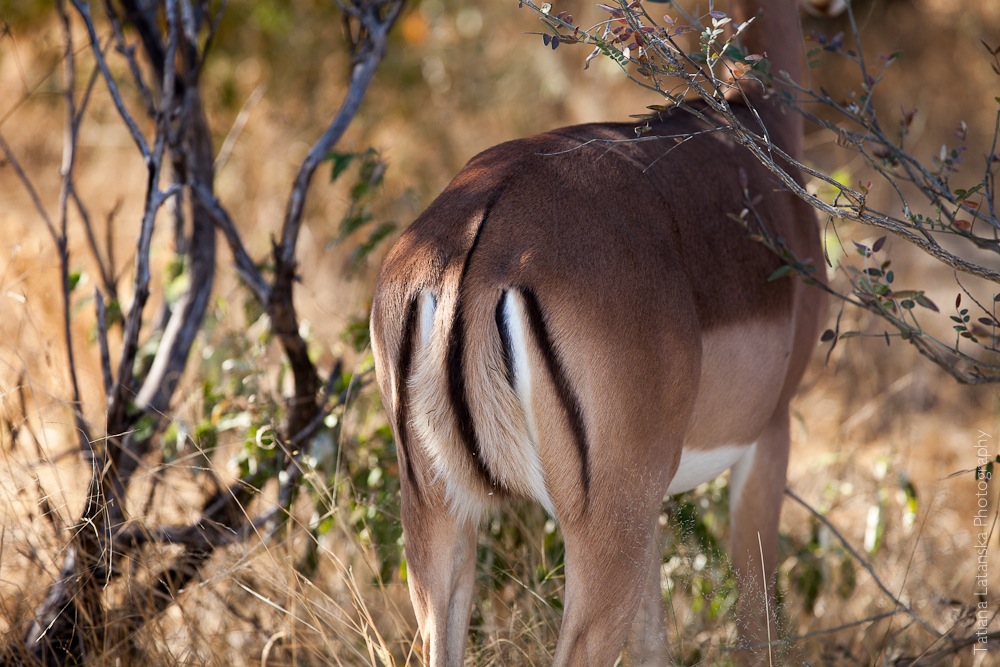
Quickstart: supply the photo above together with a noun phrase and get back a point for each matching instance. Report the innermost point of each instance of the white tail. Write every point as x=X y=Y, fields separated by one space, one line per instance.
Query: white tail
x=583 y=323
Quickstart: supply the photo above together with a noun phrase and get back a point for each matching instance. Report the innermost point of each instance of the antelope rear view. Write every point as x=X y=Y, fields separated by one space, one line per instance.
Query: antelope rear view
x=579 y=321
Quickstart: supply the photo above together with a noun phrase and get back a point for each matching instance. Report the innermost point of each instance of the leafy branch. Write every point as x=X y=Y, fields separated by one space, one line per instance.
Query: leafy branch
x=73 y=621
x=711 y=81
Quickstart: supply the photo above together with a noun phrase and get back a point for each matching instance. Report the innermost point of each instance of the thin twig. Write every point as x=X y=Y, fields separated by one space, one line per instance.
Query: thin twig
x=155 y=198
x=128 y=51
x=244 y=264
x=954 y=646
x=377 y=31
x=864 y=563
x=237 y=129
x=83 y=8
x=374 y=19
x=103 y=266
x=788 y=641
x=73 y=127
x=70 y=139
x=102 y=343
x=29 y=186
x=845 y=626
x=662 y=55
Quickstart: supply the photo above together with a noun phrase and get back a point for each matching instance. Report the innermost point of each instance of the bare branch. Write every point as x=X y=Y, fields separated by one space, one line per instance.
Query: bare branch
x=191 y=149
x=103 y=267
x=102 y=343
x=377 y=29
x=83 y=8
x=29 y=186
x=715 y=103
x=128 y=51
x=62 y=242
x=188 y=313
x=375 y=19
x=864 y=563
x=124 y=386
x=244 y=264
x=871 y=218
x=200 y=536
x=953 y=647
x=135 y=413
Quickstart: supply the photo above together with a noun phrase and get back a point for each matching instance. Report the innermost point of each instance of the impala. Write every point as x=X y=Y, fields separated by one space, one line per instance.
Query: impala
x=579 y=321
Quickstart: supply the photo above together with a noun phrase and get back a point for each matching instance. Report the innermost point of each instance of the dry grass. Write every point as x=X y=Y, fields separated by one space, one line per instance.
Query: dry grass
x=871 y=420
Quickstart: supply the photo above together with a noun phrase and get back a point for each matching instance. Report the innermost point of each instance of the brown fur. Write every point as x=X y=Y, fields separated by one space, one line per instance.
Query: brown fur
x=648 y=326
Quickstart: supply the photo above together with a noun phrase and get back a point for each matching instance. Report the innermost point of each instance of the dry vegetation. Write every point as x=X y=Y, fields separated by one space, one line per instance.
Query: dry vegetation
x=881 y=437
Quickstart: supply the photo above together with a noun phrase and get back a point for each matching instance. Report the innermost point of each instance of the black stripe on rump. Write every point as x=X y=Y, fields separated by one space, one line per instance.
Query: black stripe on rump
x=506 y=348
x=455 y=361
x=459 y=398
x=564 y=390
x=402 y=382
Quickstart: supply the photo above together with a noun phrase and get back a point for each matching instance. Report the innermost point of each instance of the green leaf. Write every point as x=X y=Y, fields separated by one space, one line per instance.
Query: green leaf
x=875 y=529
x=926 y=303
x=780 y=272
x=911 y=493
x=971 y=191
x=848 y=578
x=144 y=428
x=379 y=234
x=73 y=279
x=177 y=286
x=354 y=221
x=113 y=312
x=341 y=161
x=733 y=53
x=206 y=435
x=172 y=442
x=809 y=582
x=356 y=333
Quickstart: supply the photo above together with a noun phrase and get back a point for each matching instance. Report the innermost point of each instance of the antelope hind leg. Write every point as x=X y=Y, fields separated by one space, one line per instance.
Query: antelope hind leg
x=647 y=642
x=441 y=569
x=756 y=488
x=609 y=552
